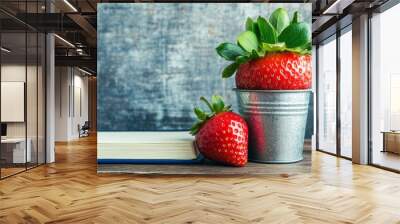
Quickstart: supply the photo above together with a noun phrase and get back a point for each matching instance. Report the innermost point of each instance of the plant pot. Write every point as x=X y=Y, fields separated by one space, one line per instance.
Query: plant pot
x=277 y=122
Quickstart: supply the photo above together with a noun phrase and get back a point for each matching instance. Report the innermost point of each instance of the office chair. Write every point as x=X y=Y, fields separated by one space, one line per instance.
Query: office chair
x=84 y=130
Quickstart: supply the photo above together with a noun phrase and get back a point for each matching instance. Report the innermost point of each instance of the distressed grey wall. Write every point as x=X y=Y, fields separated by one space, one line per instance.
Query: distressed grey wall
x=155 y=59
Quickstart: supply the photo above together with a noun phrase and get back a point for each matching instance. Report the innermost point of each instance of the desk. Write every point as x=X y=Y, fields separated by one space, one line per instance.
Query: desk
x=391 y=141
x=18 y=150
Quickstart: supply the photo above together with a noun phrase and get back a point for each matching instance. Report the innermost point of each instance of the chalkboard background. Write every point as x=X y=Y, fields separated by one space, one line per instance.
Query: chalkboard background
x=155 y=60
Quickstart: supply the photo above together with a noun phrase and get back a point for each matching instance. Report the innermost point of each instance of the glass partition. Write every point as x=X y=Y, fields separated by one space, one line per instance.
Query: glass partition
x=14 y=153
x=22 y=77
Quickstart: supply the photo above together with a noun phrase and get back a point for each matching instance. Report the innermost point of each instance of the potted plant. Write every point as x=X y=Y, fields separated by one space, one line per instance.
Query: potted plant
x=272 y=61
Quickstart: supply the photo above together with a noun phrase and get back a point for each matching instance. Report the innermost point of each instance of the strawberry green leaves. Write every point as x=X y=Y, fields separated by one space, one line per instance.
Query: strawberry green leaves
x=295 y=35
x=248 y=41
x=230 y=51
x=200 y=113
x=217 y=103
x=280 y=19
x=274 y=47
x=246 y=50
x=250 y=25
x=296 y=17
x=263 y=36
x=216 y=106
x=230 y=70
x=268 y=33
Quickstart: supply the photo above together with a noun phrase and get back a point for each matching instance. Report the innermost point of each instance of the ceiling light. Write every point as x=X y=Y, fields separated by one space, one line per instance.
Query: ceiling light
x=5 y=50
x=65 y=41
x=70 y=5
x=84 y=71
x=327 y=11
x=79 y=51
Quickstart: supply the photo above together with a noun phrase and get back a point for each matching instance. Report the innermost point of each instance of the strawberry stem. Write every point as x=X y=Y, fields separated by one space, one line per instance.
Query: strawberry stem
x=206 y=102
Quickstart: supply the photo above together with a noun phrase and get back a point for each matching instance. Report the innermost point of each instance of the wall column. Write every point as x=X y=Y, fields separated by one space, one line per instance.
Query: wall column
x=360 y=90
x=50 y=99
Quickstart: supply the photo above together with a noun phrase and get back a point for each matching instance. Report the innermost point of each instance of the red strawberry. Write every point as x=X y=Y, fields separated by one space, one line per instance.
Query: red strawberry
x=276 y=71
x=221 y=136
x=271 y=54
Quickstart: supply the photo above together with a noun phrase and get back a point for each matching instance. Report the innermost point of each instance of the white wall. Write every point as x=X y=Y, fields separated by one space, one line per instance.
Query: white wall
x=71 y=102
x=62 y=82
x=80 y=110
x=10 y=73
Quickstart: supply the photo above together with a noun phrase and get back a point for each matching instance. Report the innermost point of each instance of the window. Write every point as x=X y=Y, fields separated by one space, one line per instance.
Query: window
x=385 y=89
x=327 y=96
x=346 y=93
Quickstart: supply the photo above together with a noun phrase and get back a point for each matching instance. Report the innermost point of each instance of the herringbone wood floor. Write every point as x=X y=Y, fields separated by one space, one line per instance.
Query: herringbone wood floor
x=70 y=191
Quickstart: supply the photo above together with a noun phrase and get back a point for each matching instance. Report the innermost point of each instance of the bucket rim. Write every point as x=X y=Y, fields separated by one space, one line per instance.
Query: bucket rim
x=273 y=91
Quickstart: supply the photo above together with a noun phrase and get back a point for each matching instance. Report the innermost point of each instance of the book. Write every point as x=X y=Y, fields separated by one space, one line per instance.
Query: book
x=146 y=147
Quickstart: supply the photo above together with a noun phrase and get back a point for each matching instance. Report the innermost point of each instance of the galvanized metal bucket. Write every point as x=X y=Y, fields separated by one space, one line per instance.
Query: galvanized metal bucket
x=277 y=122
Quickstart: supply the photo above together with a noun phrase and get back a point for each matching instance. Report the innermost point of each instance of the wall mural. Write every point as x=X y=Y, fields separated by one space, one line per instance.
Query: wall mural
x=155 y=60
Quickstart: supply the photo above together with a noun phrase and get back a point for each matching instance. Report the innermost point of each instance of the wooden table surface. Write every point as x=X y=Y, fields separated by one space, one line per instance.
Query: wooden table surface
x=210 y=168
